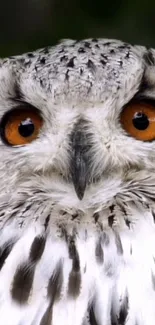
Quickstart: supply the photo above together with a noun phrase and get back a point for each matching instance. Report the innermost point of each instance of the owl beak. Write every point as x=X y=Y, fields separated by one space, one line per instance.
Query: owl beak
x=79 y=174
x=79 y=161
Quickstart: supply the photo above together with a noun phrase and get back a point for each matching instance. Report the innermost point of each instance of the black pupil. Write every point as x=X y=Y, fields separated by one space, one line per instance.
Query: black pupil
x=26 y=128
x=140 y=121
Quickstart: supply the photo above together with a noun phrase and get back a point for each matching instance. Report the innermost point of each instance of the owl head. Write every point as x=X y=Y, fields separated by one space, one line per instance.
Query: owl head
x=78 y=123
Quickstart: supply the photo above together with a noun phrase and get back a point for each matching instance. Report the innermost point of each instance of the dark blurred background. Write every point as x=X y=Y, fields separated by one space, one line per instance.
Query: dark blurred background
x=29 y=24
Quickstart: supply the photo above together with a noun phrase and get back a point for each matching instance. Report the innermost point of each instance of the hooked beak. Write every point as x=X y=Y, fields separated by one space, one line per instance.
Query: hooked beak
x=79 y=161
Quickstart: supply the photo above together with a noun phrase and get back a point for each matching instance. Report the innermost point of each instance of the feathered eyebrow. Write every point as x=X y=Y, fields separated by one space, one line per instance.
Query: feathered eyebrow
x=144 y=85
x=18 y=93
x=149 y=60
x=142 y=98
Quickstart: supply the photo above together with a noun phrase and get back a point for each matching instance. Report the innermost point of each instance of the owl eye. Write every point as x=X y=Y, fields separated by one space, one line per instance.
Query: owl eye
x=21 y=126
x=138 y=120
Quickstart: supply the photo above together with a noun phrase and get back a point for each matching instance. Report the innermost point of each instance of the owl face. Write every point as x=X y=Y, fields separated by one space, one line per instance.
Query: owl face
x=77 y=122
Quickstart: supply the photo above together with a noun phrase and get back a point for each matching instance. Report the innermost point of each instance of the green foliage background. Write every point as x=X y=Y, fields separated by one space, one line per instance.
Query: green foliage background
x=29 y=24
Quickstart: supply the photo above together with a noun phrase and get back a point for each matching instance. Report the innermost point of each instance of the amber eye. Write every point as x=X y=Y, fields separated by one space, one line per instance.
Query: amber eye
x=138 y=120
x=21 y=126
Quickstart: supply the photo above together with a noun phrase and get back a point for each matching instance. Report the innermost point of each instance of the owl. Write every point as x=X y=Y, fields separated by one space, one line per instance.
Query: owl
x=77 y=185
